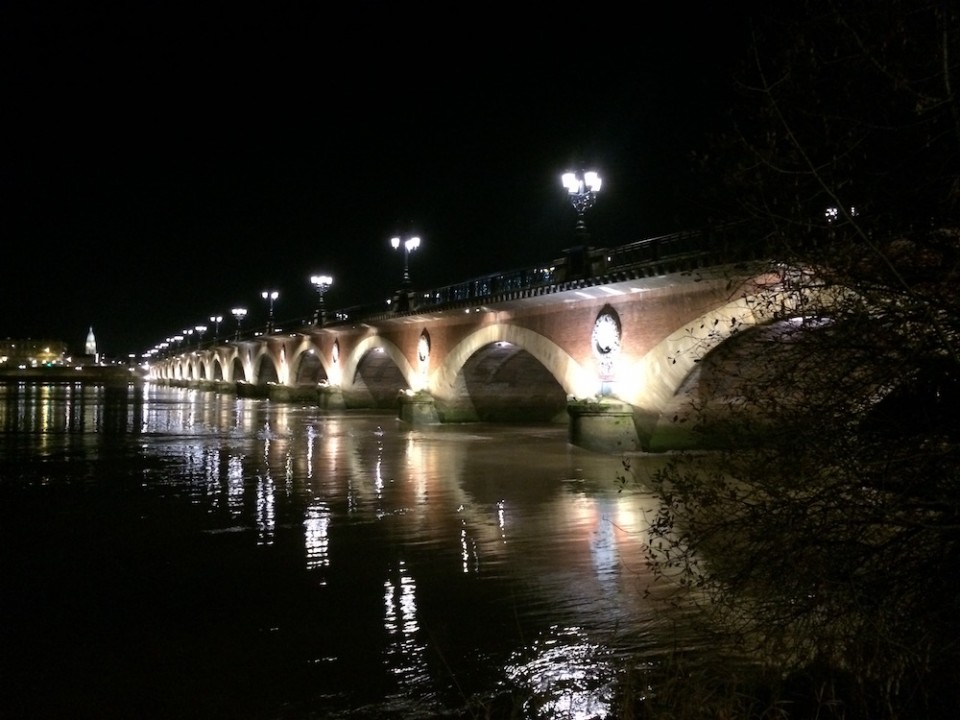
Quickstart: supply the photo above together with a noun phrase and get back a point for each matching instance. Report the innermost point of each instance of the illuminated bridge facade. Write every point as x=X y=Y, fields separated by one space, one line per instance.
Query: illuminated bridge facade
x=608 y=343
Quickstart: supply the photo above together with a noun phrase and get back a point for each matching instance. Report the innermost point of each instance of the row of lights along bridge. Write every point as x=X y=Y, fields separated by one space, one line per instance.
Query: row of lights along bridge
x=582 y=188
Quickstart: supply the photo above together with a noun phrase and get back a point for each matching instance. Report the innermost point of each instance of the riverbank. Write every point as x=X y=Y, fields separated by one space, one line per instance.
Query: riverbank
x=94 y=374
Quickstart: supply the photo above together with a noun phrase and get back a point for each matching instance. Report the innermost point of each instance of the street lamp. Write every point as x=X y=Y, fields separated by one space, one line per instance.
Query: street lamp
x=239 y=313
x=201 y=329
x=409 y=245
x=583 y=188
x=322 y=283
x=216 y=320
x=270 y=296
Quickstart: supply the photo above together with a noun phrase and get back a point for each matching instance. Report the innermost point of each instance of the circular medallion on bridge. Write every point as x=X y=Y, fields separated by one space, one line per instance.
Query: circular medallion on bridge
x=606 y=338
x=423 y=347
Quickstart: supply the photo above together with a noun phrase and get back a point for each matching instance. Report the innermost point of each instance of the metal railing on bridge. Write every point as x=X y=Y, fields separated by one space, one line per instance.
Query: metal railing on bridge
x=578 y=267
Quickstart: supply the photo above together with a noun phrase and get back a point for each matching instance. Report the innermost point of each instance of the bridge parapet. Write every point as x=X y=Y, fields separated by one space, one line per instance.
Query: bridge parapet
x=578 y=269
x=650 y=257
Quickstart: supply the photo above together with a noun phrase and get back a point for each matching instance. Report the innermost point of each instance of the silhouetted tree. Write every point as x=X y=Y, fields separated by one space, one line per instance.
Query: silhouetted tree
x=825 y=537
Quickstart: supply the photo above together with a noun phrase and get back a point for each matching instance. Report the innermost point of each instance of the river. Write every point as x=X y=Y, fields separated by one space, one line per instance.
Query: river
x=172 y=553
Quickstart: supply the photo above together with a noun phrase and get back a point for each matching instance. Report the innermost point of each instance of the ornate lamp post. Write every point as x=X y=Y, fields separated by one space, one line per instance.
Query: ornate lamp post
x=201 y=329
x=583 y=188
x=239 y=313
x=322 y=283
x=270 y=296
x=409 y=245
x=216 y=320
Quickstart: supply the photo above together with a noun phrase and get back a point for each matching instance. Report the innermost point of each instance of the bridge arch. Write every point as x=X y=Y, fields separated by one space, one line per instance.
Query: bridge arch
x=572 y=377
x=520 y=359
x=266 y=369
x=652 y=384
x=307 y=366
x=378 y=343
x=223 y=358
x=374 y=371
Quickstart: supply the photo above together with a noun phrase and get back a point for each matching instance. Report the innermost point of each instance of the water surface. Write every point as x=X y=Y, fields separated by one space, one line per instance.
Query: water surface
x=169 y=553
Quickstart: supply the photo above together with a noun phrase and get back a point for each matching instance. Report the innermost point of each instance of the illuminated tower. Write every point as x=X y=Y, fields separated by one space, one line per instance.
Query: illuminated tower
x=91 y=346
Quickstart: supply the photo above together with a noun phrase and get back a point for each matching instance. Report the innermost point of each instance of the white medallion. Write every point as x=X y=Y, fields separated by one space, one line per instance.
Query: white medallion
x=606 y=342
x=606 y=335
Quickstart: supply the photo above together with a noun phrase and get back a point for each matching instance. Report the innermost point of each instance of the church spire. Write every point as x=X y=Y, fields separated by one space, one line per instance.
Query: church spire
x=91 y=347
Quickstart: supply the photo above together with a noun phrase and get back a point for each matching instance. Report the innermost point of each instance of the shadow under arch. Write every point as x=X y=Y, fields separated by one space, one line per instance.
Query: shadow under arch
x=377 y=373
x=239 y=374
x=502 y=373
x=502 y=382
x=663 y=385
x=265 y=370
x=308 y=369
x=711 y=395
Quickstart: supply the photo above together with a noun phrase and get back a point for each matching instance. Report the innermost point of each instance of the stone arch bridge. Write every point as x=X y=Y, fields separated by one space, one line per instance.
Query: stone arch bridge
x=606 y=352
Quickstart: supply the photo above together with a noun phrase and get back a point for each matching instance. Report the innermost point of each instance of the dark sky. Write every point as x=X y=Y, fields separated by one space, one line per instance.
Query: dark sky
x=162 y=163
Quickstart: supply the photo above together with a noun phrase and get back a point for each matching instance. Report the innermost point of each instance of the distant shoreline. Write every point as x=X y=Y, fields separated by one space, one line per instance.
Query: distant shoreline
x=112 y=374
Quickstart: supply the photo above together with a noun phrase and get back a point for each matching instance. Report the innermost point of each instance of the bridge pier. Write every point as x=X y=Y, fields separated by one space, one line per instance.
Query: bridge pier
x=327 y=397
x=418 y=408
x=603 y=425
x=331 y=397
x=252 y=390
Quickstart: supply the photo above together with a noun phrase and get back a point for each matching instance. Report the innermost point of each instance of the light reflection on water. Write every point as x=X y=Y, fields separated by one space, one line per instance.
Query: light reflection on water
x=566 y=676
x=312 y=565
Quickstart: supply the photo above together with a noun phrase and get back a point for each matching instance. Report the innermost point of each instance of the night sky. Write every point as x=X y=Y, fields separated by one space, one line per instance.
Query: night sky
x=162 y=163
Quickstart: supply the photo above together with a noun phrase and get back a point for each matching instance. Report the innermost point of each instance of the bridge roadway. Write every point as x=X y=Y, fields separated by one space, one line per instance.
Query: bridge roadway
x=607 y=342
